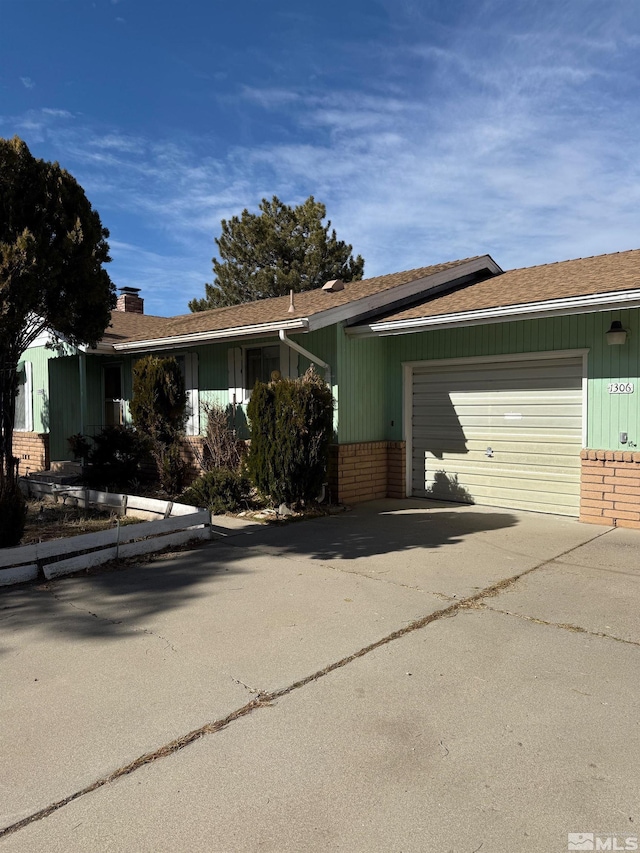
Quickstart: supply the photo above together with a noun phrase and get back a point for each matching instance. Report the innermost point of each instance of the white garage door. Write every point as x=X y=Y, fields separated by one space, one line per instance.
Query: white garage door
x=505 y=434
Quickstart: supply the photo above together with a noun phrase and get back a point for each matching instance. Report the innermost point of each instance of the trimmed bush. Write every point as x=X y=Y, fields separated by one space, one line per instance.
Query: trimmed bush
x=116 y=458
x=159 y=411
x=220 y=491
x=291 y=426
x=159 y=401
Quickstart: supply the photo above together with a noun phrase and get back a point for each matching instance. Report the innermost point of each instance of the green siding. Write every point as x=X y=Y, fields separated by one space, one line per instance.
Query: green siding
x=64 y=389
x=39 y=358
x=364 y=361
x=364 y=379
x=368 y=374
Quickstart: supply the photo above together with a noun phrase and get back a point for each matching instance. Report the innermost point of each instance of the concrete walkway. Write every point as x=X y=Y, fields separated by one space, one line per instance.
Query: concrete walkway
x=372 y=681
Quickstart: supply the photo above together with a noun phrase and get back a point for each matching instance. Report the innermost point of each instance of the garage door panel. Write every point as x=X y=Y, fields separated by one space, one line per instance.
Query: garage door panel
x=483 y=473
x=528 y=412
x=490 y=465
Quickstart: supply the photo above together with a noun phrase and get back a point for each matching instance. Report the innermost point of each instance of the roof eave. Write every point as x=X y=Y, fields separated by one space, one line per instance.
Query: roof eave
x=550 y=308
x=208 y=337
x=437 y=283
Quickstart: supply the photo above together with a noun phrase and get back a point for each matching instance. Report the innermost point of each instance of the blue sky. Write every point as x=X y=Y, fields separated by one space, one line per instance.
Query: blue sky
x=431 y=130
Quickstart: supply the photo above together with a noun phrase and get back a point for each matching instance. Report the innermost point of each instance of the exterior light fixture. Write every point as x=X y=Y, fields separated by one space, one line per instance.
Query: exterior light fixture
x=616 y=336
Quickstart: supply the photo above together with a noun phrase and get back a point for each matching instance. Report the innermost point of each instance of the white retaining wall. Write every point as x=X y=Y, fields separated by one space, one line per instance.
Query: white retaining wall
x=173 y=524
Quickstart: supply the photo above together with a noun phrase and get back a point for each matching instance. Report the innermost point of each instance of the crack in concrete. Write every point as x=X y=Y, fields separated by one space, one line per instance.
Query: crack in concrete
x=242 y=684
x=88 y=612
x=295 y=559
x=577 y=629
x=267 y=699
x=441 y=595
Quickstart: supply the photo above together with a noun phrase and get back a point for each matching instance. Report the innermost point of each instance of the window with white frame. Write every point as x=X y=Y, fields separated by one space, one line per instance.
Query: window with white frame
x=188 y=364
x=113 y=399
x=251 y=363
x=262 y=363
x=23 y=420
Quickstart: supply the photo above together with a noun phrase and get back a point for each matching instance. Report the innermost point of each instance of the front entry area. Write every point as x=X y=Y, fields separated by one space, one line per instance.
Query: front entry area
x=502 y=431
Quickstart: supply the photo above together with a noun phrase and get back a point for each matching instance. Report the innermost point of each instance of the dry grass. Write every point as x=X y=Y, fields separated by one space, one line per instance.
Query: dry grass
x=46 y=520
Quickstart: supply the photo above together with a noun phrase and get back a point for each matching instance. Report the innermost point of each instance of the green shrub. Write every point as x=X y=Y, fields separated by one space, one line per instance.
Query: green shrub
x=159 y=411
x=220 y=491
x=172 y=468
x=116 y=458
x=159 y=401
x=13 y=514
x=291 y=427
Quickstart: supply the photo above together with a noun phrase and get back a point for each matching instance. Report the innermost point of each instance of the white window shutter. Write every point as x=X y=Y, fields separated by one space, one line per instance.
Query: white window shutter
x=236 y=384
x=28 y=368
x=193 y=397
x=288 y=362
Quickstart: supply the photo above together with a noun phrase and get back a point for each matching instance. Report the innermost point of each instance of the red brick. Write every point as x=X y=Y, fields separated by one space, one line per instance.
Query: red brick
x=598 y=504
x=625 y=522
x=595 y=519
x=630 y=472
x=592 y=464
x=591 y=490
x=622 y=498
x=621 y=488
x=620 y=513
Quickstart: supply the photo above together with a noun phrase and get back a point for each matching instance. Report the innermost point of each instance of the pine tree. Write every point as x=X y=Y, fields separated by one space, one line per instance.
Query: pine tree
x=281 y=249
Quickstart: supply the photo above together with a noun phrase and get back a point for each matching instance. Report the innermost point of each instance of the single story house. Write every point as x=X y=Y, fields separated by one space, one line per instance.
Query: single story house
x=458 y=381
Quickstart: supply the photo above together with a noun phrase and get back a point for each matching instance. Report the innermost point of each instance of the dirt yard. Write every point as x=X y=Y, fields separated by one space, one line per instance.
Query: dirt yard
x=46 y=520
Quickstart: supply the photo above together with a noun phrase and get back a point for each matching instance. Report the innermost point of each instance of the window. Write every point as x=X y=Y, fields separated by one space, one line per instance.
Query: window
x=23 y=421
x=188 y=364
x=261 y=363
x=113 y=401
x=250 y=363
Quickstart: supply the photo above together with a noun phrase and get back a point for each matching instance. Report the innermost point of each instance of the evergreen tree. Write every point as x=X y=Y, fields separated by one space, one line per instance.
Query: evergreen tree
x=159 y=411
x=52 y=251
x=291 y=428
x=281 y=249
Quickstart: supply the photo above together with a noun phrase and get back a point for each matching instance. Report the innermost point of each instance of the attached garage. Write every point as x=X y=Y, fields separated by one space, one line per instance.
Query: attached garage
x=504 y=432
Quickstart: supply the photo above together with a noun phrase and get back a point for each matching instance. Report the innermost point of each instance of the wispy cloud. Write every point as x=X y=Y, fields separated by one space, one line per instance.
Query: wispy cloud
x=27 y=82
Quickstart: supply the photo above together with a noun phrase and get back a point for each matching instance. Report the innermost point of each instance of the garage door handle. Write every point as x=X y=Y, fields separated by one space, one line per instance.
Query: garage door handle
x=488 y=452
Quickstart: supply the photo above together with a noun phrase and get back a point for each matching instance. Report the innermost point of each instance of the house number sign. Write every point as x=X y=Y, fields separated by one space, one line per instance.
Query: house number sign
x=621 y=388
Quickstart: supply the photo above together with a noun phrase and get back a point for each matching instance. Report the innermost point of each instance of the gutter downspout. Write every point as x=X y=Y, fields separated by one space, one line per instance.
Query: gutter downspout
x=305 y=352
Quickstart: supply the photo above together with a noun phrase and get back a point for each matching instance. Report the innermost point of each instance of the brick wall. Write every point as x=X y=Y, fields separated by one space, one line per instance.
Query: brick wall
x=367 y=471
x=32 y=451
x=610 y=488
x=191 y=452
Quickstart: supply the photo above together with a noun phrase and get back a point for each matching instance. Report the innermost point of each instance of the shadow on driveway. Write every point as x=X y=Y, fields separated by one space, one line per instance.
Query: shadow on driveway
x=127 y=596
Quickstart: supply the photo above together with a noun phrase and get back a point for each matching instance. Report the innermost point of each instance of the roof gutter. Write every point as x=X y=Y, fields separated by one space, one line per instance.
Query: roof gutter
x=611 y=301
x=305 y=352
x=196 y=338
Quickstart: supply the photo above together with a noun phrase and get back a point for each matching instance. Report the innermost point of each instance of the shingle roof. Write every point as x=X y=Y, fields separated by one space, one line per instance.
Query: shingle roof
x=124 y=325
x=528 y=285
x=561 y=280
x=137 y=327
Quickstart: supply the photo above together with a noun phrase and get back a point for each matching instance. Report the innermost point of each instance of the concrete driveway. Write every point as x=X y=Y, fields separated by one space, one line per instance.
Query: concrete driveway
x=404 y=677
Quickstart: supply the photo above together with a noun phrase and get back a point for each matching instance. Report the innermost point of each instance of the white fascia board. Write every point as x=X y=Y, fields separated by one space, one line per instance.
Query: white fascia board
x=198 y=338
x=616 y=300
x=378 y=301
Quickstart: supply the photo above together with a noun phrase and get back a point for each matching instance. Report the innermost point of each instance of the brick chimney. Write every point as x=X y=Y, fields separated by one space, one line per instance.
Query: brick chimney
x=129 y=301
